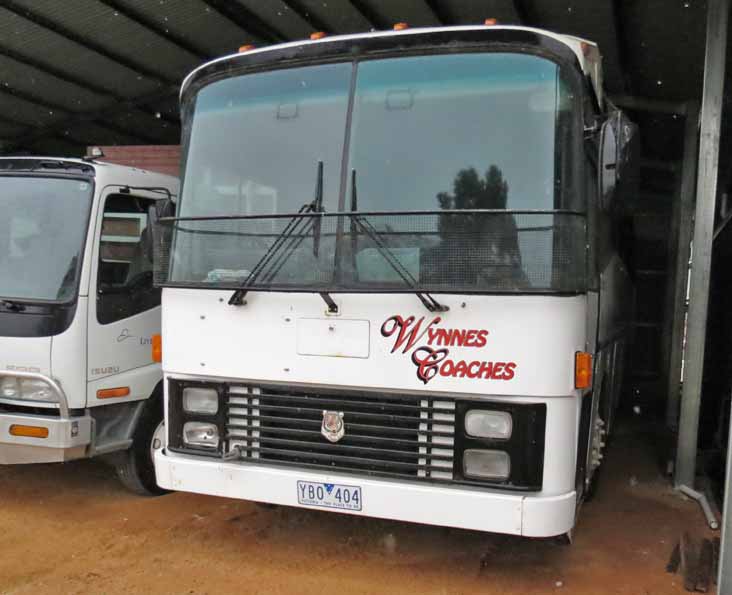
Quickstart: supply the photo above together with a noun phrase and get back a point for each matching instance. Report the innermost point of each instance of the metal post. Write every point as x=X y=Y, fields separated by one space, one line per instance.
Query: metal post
x=683 y=217
x=711 y=116
x=724 y=580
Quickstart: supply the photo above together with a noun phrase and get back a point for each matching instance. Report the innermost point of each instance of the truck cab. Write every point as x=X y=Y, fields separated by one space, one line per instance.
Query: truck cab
x=78 y=311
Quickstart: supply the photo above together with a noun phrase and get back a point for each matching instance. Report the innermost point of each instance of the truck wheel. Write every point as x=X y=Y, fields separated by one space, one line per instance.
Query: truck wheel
x=136 y=470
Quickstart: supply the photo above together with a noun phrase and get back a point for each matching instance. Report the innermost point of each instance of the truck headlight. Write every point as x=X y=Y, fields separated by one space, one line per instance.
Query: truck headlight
x=486 y=464
x=9 y=387
x=31 y=389
x=488 y=424
x=200 y=400
x=196 y=433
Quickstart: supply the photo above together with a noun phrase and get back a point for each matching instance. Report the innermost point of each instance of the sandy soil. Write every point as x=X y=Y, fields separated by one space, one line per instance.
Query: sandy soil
x=73 y=529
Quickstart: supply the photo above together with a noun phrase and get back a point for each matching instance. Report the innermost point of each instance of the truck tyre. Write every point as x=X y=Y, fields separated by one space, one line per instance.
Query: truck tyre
x=136 y=469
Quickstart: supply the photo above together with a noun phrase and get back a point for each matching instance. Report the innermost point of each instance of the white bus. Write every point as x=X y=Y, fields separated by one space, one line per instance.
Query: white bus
x=394 y=284
x=78 y=311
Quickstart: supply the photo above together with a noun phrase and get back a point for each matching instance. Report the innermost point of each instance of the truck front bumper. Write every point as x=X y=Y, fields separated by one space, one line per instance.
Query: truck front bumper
x=67 y=439
x=459 y=506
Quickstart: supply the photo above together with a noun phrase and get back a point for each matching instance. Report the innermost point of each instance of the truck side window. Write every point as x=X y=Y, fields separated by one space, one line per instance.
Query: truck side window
x=124 y=276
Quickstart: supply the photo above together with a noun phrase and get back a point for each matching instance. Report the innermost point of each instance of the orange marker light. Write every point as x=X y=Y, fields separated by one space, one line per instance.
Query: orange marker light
x=317 y=35
x=28 y=431
x=490 y=22
x=246 y=48
x=582 y=370
x=157 y=348
x=111 y=393
x=401 y=26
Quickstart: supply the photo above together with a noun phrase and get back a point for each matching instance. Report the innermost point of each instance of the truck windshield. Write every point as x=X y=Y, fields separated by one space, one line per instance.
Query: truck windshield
x=42 y=232
x=468 y=160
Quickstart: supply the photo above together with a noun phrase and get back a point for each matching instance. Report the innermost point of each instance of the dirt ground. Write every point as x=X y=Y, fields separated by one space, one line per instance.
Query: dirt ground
x=73 y=529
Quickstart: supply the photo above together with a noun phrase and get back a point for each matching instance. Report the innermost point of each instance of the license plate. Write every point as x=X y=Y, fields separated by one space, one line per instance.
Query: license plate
x=329 y=495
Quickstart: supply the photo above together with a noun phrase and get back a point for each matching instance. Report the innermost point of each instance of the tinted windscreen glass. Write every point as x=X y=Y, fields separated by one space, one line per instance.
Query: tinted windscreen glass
x=459 y=131
x=254 y=149
x=439 y=133
x=41 y=236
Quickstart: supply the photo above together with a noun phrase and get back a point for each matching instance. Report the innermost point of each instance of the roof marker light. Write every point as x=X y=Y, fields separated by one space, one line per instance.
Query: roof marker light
x=317 y=35
x=246 y=48
x=490 y=22
x=401 y=26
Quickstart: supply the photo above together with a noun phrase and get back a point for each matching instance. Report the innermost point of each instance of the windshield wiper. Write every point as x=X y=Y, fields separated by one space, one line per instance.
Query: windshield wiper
x=274 y=259
x=13 y=306
x=427 y=300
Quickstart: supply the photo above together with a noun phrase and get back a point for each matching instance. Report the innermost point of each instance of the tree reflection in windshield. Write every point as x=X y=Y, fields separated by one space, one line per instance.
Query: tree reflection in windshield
x=477 y=248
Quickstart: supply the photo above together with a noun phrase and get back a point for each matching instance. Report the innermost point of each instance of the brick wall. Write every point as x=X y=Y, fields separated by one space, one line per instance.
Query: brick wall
x=160 y=158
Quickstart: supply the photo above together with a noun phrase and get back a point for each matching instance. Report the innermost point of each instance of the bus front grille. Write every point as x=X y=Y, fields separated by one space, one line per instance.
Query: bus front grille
x=385 y=435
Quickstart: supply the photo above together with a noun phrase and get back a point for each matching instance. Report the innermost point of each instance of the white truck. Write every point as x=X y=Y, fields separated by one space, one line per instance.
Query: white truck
x=396 y=283
x=78 y=313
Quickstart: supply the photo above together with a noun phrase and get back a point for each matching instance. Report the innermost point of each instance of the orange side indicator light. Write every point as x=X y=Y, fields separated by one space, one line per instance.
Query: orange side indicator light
x=246 y=48
x=317 y=35
x=582 y=370
x=157 y=348
x=28 y=431
x=401 y=26
x=111 y=393
x=490 y=22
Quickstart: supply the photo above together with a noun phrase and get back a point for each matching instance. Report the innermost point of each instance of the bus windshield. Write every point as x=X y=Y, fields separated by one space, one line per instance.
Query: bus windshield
x=462 y=165
x=42 y=234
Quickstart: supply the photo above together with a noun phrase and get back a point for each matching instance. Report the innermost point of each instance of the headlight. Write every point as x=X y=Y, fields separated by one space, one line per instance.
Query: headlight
x=200 y=400
x=26 y=388
x=36 y=390
x=196 y=433
x=9 y=387
x=488 y=424
x=486 y=464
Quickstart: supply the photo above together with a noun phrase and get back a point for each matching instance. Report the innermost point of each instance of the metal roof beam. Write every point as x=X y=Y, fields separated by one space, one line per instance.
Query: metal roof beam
x=246 y=20
x=440 y=14
x=32 y=99
x=523 y=12
x=307 y=15
x=57 y=73
x=146 y=22
x=374 y=20
x=100 y=114
x=622 y=44
x=46 y=23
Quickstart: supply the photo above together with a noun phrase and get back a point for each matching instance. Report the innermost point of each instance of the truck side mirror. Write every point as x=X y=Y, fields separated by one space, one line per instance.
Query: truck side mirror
x=607 y=177
x=160 y=208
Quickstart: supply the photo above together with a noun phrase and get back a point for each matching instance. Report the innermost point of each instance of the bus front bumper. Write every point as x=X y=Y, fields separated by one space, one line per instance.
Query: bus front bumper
x=459 y=506
x=67 y=439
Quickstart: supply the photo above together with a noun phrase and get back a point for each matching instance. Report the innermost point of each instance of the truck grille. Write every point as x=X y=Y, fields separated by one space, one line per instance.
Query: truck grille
x=384 y=435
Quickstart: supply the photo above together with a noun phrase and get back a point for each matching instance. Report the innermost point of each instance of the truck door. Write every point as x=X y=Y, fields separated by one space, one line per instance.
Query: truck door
x=124 y=311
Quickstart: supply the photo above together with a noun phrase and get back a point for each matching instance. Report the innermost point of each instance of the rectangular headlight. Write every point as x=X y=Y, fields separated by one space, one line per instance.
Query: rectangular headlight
x=488 y=424
x=196 y=433
x=200 y=400
x=31 y=389
x=486 y=464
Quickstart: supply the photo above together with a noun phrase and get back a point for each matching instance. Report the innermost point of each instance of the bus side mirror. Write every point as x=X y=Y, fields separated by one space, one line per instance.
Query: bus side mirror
x=607 y=177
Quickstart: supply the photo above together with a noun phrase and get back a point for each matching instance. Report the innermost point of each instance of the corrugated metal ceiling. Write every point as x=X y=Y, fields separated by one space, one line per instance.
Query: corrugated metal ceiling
x=107 y=71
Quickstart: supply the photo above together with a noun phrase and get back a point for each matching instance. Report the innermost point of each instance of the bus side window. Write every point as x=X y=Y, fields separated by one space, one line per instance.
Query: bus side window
x=124 y=275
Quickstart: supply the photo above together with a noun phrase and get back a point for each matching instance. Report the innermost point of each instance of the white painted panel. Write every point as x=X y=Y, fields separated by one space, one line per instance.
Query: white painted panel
x=538 y=335
x=332 y=337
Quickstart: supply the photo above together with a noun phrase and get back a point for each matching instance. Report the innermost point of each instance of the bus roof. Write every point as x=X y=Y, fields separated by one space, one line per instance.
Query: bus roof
x=586 y=52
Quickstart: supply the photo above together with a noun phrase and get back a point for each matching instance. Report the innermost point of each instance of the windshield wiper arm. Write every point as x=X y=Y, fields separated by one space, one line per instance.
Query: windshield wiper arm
x=427 y=300
x=13 y=306
x=271 y=258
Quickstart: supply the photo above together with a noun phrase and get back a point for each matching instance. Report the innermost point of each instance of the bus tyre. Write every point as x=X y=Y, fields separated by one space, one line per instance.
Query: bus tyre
x=136 y=469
